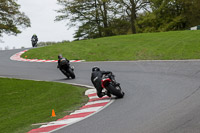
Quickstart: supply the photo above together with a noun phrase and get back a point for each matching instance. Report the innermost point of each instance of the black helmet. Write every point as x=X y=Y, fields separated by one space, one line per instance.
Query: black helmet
x=95 y=69
x=60 y=56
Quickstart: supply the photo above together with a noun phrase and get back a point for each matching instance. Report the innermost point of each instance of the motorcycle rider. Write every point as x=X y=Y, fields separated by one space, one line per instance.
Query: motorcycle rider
x=96 y=78
x=34 y=37
x=65 y=68
x=62 y=61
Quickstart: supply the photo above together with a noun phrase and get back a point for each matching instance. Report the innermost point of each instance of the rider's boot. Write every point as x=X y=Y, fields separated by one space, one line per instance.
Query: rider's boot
x=107 y=93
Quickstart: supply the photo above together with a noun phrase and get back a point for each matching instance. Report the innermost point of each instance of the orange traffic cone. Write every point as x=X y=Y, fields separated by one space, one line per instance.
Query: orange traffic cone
x=53 y=113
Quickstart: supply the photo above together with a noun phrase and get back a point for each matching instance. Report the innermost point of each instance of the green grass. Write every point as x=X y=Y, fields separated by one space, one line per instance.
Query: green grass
x=148 y=46
x=25 y=102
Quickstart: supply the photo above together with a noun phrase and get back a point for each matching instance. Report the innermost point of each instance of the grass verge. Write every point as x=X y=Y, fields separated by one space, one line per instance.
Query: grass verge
x=25 y=102
x=176 y=45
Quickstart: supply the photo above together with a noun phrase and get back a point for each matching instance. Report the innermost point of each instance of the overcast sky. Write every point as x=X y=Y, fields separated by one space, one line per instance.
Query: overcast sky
x=42 y=14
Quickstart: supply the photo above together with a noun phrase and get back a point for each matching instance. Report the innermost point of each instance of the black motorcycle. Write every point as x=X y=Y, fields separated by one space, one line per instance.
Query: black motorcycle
x=109 y=83
x=67 y=70
x=34 y=42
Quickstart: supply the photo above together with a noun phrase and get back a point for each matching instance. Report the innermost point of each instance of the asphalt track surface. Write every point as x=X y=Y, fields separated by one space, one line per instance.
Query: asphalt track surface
x=161 y=96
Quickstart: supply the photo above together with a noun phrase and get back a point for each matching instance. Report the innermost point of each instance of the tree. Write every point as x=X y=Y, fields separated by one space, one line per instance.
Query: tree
x=170 y=15
x=91 y=16
x=99 y=18
x=191 y=12
x=132 y=7
x=94 y=18
x=11 y=19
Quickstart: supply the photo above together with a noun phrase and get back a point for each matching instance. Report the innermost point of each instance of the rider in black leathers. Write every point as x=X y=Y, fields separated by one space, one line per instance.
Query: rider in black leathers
x=34 y=37
x=62 y=61
x=96 y=78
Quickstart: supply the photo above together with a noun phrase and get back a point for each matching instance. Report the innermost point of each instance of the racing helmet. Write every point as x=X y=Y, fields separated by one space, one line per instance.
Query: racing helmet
x=95 y=69
x=60 y=56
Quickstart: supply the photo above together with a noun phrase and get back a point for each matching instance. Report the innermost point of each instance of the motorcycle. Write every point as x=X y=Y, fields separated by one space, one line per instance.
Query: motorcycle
x=109 y=83
x=68 y=70
x=34 y=42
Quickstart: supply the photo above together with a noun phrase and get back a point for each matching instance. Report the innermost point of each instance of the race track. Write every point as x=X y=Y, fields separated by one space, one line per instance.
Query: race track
x=161 y=96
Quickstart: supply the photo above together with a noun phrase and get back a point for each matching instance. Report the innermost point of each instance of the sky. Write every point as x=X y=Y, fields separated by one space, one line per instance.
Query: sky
x=42 y=15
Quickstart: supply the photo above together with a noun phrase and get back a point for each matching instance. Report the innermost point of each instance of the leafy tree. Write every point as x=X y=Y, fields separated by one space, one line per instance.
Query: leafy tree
x=94 y=18
x=11 y=19
x=132 y=8
x=90 y=16
x=170 y=15
x=87 y=31
x=191 y=12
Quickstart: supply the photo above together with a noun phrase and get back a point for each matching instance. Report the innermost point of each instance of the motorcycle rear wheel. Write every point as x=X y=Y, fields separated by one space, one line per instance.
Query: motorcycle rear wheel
x=71 y=73
x=115 y=90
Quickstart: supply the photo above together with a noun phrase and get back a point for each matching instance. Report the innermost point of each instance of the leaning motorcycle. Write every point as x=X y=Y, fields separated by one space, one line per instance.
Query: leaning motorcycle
x=67 y=70
x=34 y=42
x=109 y=83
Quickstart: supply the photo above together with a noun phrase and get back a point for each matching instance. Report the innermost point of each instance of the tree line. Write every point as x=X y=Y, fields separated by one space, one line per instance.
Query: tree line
x=101 y=18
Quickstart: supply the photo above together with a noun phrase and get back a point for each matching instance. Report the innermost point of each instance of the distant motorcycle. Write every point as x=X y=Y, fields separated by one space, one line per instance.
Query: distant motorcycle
x=109 y=83
x=67 y=70
x=34 y=42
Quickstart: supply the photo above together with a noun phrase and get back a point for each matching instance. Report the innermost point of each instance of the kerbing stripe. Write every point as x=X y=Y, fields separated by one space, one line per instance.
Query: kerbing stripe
x=96 y=99
x=93 y=94
x=45 y=129
x=100 y=101
x=96 y=104
x=87 y=110
x=17 y=57
x=66 y=122
x=84 y=114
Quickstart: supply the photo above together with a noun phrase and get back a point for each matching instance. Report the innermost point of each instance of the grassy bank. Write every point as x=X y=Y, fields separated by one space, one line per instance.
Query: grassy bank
x=24 y=102
x=148 y=46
